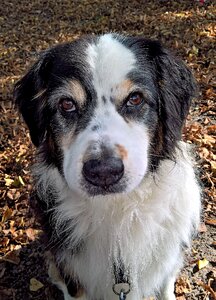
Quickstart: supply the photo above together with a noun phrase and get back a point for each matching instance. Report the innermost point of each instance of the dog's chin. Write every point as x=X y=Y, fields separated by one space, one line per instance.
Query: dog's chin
x=122 y=187
x=94 y=191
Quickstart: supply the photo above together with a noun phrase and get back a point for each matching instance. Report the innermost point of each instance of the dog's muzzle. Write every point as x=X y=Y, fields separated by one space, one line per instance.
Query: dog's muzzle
x=103 y=172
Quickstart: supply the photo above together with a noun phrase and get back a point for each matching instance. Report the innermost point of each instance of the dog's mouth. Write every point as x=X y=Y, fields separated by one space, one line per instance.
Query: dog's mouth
x=104 y=176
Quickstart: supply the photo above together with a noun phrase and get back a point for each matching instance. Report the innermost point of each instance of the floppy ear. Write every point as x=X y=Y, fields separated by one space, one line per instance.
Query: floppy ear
x=29 y=95
x=176 y=89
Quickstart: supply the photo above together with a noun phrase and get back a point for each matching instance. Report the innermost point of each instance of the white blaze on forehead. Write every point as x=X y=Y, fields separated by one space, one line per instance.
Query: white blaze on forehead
x=110 y=62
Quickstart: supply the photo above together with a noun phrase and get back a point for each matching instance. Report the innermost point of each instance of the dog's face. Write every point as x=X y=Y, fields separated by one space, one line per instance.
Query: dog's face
x=105 y=110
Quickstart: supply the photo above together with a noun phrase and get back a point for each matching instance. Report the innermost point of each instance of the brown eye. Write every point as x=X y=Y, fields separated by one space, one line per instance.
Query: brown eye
x=135 y=99
x=67 y=104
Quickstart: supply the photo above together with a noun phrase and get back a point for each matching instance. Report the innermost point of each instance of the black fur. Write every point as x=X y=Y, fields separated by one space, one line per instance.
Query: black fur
x=34 y=111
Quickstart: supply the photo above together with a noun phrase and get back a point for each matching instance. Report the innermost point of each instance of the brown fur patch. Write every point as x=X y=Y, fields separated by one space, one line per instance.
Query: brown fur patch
x=122 y=90
x=122 y=151
x=127 y=84
x=67 y=140
x=77 y=90
x=80 y=293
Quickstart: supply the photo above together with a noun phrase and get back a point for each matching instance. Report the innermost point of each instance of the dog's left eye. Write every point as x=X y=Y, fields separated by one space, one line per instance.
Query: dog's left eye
x=134 y=99
x=67 y=105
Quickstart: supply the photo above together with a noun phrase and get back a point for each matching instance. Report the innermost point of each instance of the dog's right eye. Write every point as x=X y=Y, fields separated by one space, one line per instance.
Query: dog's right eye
x=67 y=105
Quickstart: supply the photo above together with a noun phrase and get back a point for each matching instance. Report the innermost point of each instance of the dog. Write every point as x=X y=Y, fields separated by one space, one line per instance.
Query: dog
x=115 y=184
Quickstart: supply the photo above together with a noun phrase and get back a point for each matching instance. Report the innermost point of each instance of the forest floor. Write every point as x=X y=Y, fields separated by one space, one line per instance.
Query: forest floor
x=26 y=28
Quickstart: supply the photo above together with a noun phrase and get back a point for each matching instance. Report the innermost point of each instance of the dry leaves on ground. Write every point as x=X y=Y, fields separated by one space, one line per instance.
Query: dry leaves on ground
x=27 y=27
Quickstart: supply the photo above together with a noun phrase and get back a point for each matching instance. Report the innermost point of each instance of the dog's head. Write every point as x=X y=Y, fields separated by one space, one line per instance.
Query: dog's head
x=105 y=110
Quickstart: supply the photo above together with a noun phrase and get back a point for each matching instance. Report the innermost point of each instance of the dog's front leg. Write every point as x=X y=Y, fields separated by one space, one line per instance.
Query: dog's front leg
x=167 y=292
x=57 y=280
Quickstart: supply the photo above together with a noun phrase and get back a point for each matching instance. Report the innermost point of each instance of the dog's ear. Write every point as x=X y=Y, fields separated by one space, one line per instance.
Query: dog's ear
x=176 y=87
x=29 y=96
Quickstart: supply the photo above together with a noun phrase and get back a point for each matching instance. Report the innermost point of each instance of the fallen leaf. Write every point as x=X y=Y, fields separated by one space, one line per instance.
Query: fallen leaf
x=12 y=227
x=7 y=292
x=208 y=288
x=194 y=251
x=12 y=257
x=13 y=194
x=213 y=166
x=211 y=129
x=202 y=263
x=195 y=50
x=202 y=228
x=22 y=222
x=210 y=222
x=30 y=232
x=18 y=182
x=182 y=285
x=208 y=139
x=21 y=180
x=8 y=181
x=7 y=214
x=35 y=285
x=182 y=297
x=2 y=272
x=5 y=241
x=204 y=152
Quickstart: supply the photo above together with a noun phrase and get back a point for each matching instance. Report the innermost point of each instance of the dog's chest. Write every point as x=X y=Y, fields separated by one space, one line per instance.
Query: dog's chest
x=130 y=236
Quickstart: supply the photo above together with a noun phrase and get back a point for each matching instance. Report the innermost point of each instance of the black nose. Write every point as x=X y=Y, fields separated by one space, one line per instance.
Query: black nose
x=103 y=172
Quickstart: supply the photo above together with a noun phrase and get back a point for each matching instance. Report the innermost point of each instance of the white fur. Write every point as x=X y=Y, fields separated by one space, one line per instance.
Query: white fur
x=146 y=226
x=107 y=62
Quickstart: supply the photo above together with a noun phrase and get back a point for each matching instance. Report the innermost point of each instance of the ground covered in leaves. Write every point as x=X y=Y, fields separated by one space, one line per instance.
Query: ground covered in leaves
x=26 y=28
